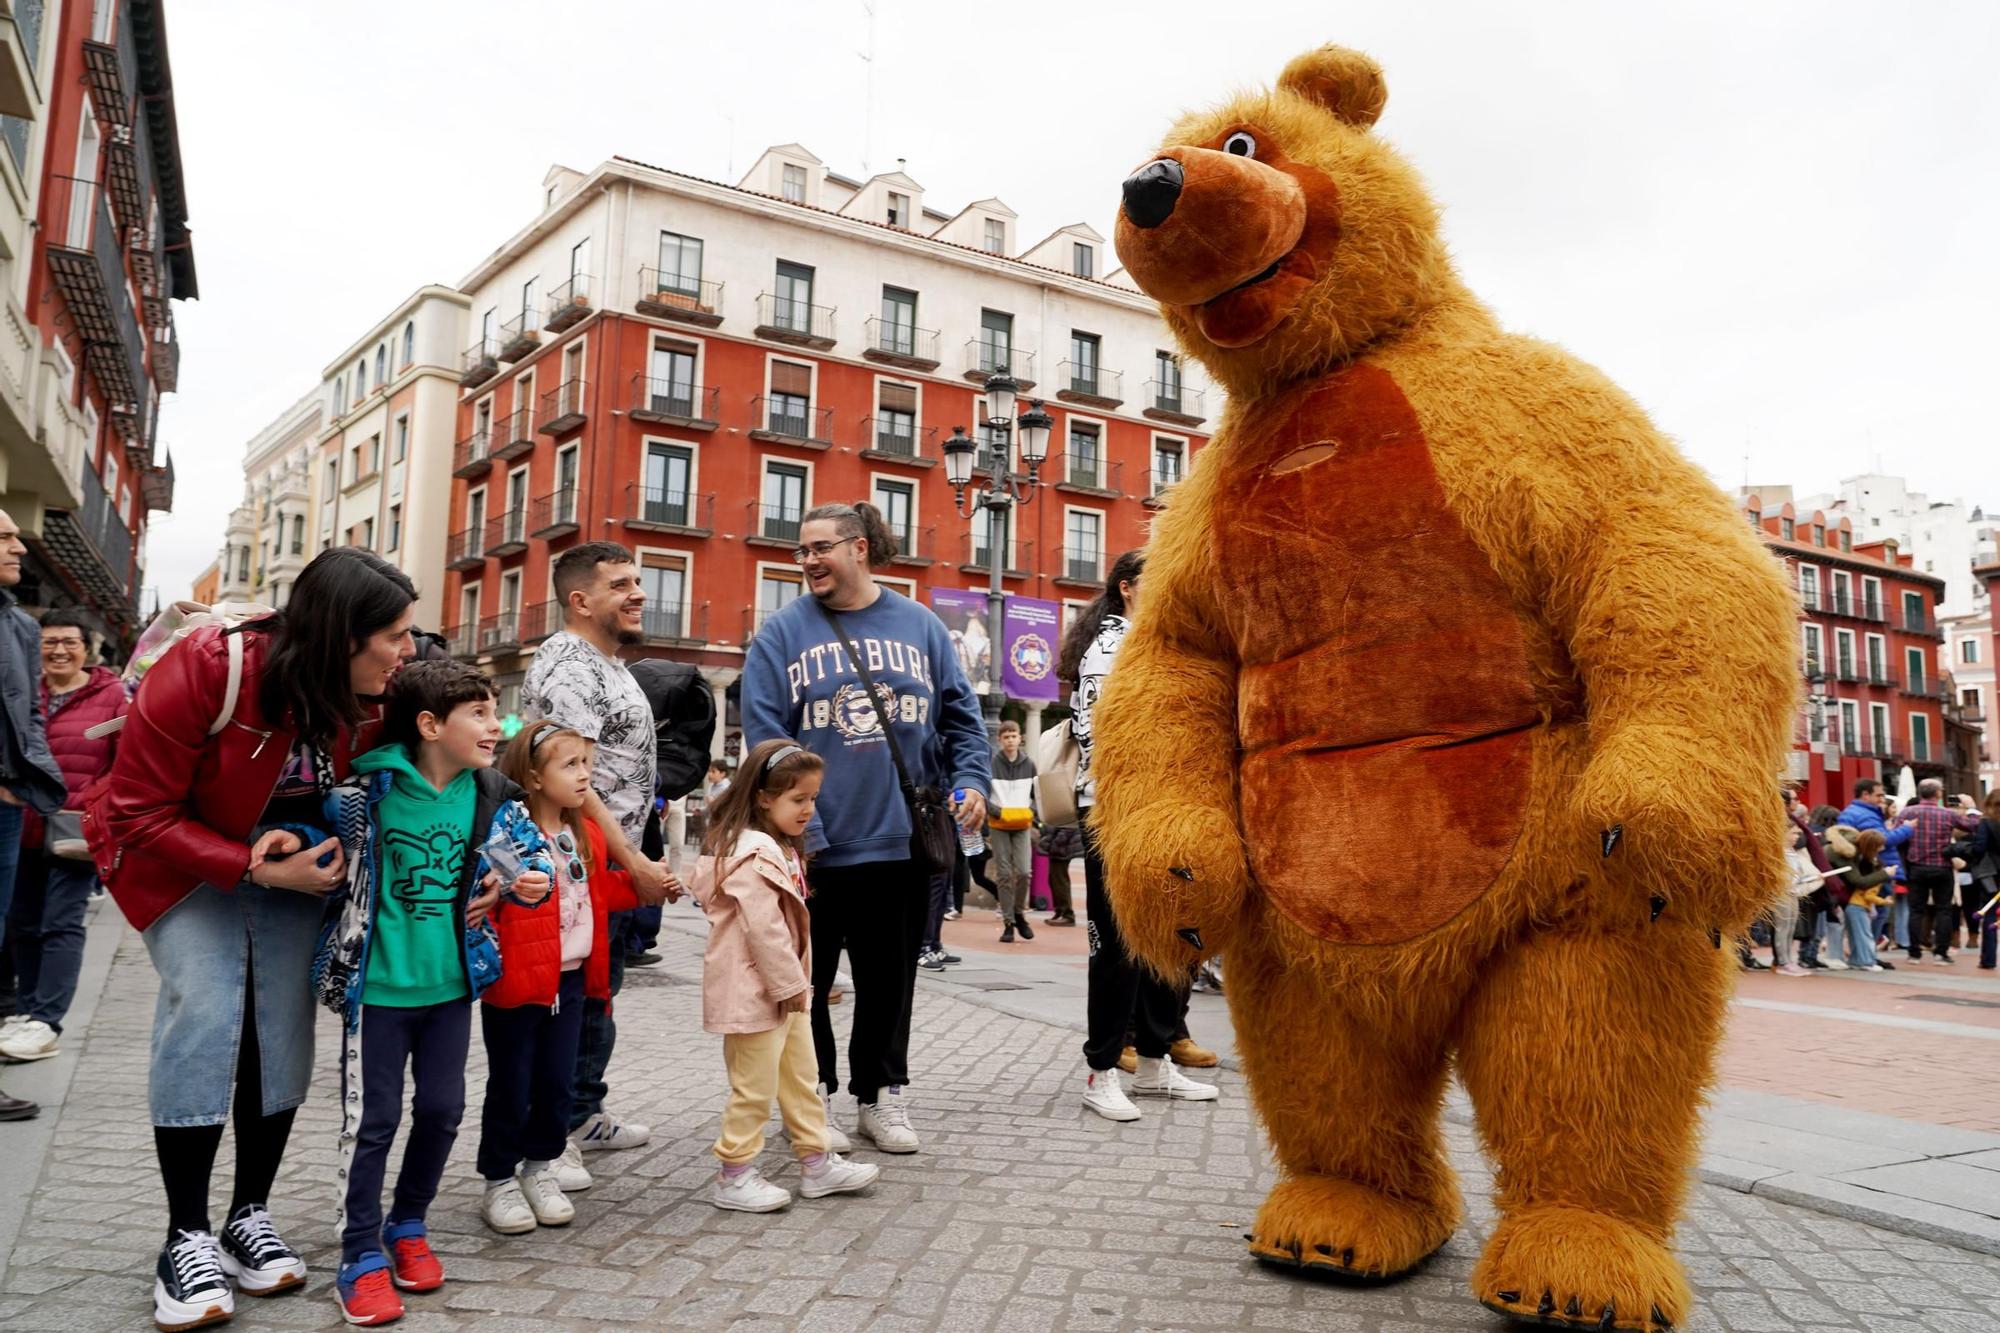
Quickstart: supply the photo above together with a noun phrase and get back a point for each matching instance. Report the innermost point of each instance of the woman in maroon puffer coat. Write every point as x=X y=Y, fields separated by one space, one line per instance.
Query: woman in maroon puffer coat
x=45 y=922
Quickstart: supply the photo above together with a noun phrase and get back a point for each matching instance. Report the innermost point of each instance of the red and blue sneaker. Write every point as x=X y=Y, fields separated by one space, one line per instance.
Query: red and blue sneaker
x=366 y=1294
x=413 y=1265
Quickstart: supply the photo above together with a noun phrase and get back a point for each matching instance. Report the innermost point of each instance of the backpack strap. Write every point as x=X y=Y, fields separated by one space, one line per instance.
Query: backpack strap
x=234 y=687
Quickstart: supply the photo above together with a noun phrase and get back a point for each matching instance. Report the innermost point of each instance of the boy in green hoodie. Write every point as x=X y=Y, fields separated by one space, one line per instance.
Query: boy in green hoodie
x=408 y=956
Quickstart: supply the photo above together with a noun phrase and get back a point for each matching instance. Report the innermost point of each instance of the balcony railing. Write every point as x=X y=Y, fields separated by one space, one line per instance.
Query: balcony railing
x=500 y=632
x=521 y=334
x=776 y=523
x=88 y=266
x=914 y=545
x=1082 y=567
x=472 y=455
x=563 y=408
x=553 y=515
x=462 y=640
x=1847 y=673
x=1082 y=382
x=894 y=439
x=900 y=344
x=478 y=363
x=570 y=304
x=1815 y=669
x=682 y=299
x=673 y=402
x=540 y=620
x=782 y=319
x=674 y=623
x=513 y=434
x=1923 y=687
x=665 y=510
x=1873 y=611
x=1162 y=480
x=1921 y=622
x=973 y=549
x=783 y=421
x=1088 y=472
x=507 y=532
x=1169 y=400
x=466 y=548
x=987 y=356
x=1883 y=678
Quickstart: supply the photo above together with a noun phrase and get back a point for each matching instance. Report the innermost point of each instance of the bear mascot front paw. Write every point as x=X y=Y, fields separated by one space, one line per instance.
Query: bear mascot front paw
x=1454 y=712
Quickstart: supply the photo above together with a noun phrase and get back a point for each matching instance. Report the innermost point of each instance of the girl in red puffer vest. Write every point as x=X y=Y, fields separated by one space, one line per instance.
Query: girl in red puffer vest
x=553 y=954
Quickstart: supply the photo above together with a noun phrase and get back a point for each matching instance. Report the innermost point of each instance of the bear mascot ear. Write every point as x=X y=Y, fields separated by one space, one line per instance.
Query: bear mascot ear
x=1345 y=82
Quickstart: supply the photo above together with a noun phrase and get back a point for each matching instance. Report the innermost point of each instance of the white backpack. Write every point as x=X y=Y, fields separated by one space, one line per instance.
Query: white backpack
x=172 y=625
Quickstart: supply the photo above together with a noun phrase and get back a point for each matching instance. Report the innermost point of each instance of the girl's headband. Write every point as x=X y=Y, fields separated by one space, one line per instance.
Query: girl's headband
x=786 y=753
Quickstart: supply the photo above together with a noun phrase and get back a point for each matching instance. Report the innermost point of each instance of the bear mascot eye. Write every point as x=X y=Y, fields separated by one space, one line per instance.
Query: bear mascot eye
x=1240 y=144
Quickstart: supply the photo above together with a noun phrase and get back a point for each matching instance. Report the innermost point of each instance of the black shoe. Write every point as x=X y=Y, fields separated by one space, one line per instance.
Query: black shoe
x=1755 y=965
x=949 y=957
x=931 y=960
x=1885 y=965
x=256 y=1256
x=647 y=959
x=1813 y=963
x=1007 y=935
x=17 y=1108
x=1022 y=925
x=1063 y=919
x=189 y=1286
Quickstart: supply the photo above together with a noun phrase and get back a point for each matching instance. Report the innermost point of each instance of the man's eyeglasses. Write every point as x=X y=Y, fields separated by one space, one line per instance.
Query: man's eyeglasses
x=566 y=845
x=820 y=549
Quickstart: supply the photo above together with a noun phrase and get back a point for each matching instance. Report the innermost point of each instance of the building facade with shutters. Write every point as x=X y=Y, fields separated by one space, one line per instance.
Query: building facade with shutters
x=95 y=216
x=267 y=542
x=686 y=367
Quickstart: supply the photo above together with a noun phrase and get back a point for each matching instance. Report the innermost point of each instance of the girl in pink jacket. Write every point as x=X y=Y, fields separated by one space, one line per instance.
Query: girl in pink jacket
x=755 y=978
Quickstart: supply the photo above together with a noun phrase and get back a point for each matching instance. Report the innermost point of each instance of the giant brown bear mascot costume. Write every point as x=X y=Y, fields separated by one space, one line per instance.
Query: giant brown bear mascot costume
x=1453 y=715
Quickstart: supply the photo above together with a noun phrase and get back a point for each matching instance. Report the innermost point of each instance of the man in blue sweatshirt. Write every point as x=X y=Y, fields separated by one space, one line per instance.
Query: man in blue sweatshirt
x=1864 y=813
x=868 y=896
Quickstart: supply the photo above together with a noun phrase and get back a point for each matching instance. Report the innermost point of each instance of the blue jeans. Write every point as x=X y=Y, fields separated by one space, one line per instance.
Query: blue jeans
x=600 y=1031
x=10 y=856
x=45 y=926
x=1860 y=936
x=1899 y=917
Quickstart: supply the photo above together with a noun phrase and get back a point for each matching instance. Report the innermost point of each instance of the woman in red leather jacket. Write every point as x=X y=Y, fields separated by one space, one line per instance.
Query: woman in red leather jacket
x=183 y=831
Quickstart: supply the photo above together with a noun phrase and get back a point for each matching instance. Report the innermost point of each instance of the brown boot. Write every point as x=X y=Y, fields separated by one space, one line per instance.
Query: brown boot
x=1190 y=1056
x=1129 y=1060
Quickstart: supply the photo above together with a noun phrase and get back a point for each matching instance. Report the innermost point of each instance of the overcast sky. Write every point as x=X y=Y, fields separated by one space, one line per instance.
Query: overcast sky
x=1773 y=223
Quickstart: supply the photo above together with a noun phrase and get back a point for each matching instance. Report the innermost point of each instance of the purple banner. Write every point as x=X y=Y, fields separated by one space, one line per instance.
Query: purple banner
x=1033 y=629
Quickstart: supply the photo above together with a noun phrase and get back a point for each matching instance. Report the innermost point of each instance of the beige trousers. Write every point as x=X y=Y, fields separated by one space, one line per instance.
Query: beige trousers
x=762 y=1065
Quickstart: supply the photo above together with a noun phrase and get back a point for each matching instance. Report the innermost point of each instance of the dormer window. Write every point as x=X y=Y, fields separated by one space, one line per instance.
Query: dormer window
x=1756 y=520
x=1083 y=263
x=1846 y=540
x=899 y=209
x=996 y=236
x=1819 y=534
x=793 y=183
x=1785 y=528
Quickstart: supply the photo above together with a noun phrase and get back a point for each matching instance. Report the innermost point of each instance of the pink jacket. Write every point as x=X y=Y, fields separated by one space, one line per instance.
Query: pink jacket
x=759 y=937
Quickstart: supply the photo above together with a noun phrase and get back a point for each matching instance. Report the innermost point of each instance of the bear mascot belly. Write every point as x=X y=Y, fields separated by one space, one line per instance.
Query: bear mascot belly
x=1454 y=712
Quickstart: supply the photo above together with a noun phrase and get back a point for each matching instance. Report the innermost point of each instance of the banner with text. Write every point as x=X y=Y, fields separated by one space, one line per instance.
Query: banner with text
x=1032 y=629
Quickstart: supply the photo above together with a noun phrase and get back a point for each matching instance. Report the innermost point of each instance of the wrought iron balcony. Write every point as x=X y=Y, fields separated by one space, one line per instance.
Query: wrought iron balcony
x=471 y=456
x=564 y=408
x=478 y=363
x=463 y=640
x=1160 y=483
x=466 y=548
x=1922 y=622
x=93 y=544
x=783 y=421
x=156 y=485
x=675 y=624
x=895 y=440
x=112 y=70
x=986 y=357
x=1883 y=678
x=500 y=632
x=658 y=509
x=672 y=402
x=781 y=319
x=507 y=532
x=553 y=515
x=682 y=299
x=1169 y=400
x=775 y=524
x=521 y=334
x=167 y=356
x=1847 y=673
x=513 y=434
x=1815 y=669
x=88 y=265
x=1083 y=568
x=901 y=345
x=974 y=551
x=1086 y=474
x=569 y=304
x=1092 y=385
x=539 y=620
x=914 y=545
x=1923 y=687
x=1873 y=611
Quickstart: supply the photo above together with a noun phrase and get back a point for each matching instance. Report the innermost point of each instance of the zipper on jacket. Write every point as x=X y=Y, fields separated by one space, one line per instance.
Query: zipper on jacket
x=263 y=739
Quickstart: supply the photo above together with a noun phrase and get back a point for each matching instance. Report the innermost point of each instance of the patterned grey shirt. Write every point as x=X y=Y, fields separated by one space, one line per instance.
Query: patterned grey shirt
x=571 y=682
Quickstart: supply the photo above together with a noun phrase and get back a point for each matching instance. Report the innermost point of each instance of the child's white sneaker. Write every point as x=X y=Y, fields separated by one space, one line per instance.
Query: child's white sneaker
x=836 y=1175
x=505 y=1208
x=1159 y=1078
x=571 y=1174
x=605 y=1132
x=544 y=1194
x=748 y=1192
x=1103 y=1094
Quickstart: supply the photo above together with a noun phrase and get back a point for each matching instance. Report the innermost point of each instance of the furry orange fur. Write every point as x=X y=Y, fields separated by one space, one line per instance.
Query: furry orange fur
x=1436 y=609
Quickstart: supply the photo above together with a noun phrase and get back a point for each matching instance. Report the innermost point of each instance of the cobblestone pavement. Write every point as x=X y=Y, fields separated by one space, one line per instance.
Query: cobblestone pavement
x=1024 y=1213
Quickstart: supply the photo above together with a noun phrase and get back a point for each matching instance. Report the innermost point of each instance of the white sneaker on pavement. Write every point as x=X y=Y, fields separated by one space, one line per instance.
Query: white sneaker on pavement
x=887 y=1122
x=571 y=1174
x=1103 y=1094
x=605 y=1132
x=10 y=1022
x=544 y=1195
x=1834 y=964
x=505 y=1208
x=30 y=1039
x=836 y=1137
x=1160 y=1078
x=837 y=1175
x=748 y=1193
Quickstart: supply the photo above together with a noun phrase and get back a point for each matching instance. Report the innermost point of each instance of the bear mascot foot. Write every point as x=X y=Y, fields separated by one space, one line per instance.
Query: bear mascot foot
x=1568 y=1268
x=1340 y=1229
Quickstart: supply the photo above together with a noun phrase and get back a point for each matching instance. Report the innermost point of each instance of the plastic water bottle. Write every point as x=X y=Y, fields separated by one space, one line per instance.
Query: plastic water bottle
x=970 y=840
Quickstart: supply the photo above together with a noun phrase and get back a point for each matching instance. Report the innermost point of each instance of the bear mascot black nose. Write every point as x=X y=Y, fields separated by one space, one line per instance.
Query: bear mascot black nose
x=1152 y=191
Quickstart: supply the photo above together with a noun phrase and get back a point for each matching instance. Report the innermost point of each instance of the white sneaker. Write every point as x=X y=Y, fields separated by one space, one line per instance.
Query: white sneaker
x=1872 y=967
x=605 y=1132
x=836 y=1138
x=505 y=1208
x=1159 y=1078
x=1834 y=965
x=572 y=1176
x=1103 y=1094
x=544 y=1195
x=887 y=1122
x=748 y=1193
x=837 y=1175
x=30 y=1039
x=10 y=1022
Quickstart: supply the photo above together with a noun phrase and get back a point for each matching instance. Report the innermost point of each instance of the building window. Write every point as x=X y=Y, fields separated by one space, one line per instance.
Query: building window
x=1082 y=261
x=776 y=589
x=382 y=365
x=784 y=500
x=395 y=527
x=1809 y=587
x=360 y=381
x=663 y=578
x=1083 y=351
x=898 y=502
x=671 y=391
x=680 y=264
x=1878 y=663
x=1086 y=464
x=896 y=419
x=402 y=447
x=1871 y=598
x=468 y=609
x=1819 y=534
x=792 y=304
x=996 y=341
x=791 y=400
x=1913 y=666
x=475 y=522
x=993 y=445
x=1785 y=528
x=1169 y=463
x=298 y=534
x=409 y=343
x=996 y=236
x=1166 y=382
x=899 y=321
x=1814 y=658
x=1913 y=612
x=368 y=533
x=1843 y=652
x=579 y=268
x=340 y=396
x=1878 y=724
x=665 y=495
x=899 y=209
x=1968 y=651
x=1920 y=737
x=242 y=564
x=792 y=183
x=1846 y=540
x=1083 y=545
x=565 y=499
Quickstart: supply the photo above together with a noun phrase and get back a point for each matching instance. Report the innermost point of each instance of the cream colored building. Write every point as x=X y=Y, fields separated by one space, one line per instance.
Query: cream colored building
x=268 y=541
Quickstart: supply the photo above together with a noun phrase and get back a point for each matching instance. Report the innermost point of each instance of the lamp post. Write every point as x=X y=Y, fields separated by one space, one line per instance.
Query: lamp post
x=999 y=493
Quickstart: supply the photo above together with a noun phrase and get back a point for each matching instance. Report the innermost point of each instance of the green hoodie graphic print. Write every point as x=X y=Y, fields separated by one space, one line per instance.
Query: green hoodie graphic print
x=416 y=955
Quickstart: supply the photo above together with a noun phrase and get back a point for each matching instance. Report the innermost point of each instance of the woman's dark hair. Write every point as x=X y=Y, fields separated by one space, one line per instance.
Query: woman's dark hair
x=759 y=775
x=1111 y=602
x=341 y=598
x=860 y=519
x=436 y=688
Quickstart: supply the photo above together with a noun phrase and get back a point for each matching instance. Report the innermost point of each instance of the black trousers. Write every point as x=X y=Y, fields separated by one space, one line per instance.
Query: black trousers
x=1124 y=993
x=1931 y=909
x=431 y=1041
x=876 y=912
x=530 y=1079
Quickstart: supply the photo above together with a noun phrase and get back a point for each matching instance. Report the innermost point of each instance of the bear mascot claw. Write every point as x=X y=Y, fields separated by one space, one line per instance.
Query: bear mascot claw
x=1453 y=714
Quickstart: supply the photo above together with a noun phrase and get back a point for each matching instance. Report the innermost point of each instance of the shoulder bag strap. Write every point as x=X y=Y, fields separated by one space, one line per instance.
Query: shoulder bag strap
x=861 y=667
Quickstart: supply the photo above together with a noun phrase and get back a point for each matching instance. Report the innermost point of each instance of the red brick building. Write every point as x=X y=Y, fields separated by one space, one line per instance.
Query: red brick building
x=1869 y=640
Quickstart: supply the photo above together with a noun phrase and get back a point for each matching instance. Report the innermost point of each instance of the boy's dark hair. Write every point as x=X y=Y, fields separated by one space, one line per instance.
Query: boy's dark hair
x=577 y=566
x=431 y=687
